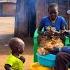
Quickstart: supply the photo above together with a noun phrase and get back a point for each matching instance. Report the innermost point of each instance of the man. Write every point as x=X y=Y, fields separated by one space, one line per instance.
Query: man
x=52 y=20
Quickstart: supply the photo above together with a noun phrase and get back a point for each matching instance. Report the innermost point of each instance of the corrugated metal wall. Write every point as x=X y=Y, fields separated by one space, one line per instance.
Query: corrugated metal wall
x=25 y=17
x=27 y=9
x=14 y=1
x=7 y=9
x=42 y=8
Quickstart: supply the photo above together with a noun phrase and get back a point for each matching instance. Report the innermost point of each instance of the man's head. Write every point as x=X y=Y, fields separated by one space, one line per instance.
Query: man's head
x=53 y=11
x=17 y=45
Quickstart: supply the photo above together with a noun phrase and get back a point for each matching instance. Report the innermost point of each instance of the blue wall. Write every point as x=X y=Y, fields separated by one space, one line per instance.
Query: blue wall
x=29 y=12
x=25 y=17
x=42 y=8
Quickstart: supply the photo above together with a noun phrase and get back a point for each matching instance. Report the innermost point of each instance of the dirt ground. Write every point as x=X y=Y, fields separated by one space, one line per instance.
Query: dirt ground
x=6 y=32
x=28 y=54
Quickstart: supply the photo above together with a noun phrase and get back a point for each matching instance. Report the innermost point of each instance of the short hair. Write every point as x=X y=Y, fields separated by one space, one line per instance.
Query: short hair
x=13 y=43
x=53 y=5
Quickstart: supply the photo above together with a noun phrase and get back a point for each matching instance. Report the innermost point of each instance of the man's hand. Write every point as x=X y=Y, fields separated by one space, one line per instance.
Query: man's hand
x=42 y=51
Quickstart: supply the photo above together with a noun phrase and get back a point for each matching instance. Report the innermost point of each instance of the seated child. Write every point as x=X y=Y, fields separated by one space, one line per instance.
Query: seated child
x=15 y=61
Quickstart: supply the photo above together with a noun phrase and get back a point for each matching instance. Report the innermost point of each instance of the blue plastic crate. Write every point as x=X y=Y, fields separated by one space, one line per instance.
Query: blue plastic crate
x=47 y=60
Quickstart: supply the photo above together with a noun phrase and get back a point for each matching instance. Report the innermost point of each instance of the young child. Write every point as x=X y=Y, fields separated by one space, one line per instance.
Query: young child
x=15 y=61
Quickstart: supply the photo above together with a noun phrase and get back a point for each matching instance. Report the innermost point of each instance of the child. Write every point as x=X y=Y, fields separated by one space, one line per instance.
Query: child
x=15 y=61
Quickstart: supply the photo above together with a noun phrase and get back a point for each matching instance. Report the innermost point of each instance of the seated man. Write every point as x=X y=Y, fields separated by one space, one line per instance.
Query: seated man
x=52 y=21
x=58 y=23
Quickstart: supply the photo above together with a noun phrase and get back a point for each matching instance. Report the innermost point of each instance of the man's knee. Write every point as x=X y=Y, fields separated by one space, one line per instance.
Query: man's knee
x=60 y=55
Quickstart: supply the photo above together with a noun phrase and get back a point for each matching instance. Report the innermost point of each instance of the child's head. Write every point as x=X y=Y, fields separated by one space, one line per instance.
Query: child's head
x=53 y=11
x=16 y=45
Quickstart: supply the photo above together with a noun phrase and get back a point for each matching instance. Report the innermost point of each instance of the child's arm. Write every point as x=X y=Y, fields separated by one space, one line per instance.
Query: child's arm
x=7 y=67
x=22 y=59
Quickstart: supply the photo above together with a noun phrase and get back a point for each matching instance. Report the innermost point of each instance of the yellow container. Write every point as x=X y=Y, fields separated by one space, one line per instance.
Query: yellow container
x=37 y=66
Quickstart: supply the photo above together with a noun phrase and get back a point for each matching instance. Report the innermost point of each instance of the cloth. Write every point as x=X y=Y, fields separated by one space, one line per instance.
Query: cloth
x=58 y=24
x=62 y=61
x=16 y=63
x=65 y=49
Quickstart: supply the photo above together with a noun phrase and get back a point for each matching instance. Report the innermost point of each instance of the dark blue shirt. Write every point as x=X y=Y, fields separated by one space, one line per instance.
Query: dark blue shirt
x=64 y=49
x=58 y=24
